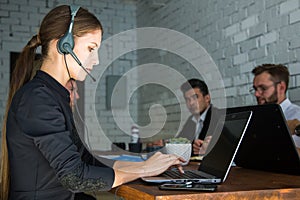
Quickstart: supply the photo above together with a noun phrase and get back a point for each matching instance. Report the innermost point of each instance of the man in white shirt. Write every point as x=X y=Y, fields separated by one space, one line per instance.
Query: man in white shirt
x=270 y=85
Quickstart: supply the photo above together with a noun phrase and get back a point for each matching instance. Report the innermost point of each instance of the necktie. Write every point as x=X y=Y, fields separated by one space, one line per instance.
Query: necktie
x=199 y=127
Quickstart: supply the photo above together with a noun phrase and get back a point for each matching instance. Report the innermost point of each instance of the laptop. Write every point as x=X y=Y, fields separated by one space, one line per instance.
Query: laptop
x=220 y=153
x=267 y=144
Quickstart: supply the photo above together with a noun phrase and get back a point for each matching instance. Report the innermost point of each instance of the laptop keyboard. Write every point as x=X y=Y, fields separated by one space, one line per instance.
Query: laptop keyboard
x=175 y=174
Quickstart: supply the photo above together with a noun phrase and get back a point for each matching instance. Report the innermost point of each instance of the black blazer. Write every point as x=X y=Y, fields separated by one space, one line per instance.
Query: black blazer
x=47 y=159
x=188 y=130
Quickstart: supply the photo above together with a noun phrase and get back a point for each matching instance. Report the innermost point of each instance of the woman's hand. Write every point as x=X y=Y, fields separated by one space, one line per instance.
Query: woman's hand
x=155 y=165
x=158 y=163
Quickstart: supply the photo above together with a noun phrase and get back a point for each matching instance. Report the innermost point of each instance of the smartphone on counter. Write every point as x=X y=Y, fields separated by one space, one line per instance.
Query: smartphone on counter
x=192 y=186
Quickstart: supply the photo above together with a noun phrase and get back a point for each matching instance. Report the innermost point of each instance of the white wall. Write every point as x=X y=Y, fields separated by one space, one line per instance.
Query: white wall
x=20 y=21
x=237 y=34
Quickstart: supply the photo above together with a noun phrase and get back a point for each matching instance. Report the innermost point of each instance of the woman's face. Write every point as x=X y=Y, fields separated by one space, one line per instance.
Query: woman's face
x=86 y=49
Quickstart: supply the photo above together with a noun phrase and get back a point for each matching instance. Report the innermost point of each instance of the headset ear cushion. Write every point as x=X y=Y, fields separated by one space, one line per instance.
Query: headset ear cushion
x=65 y=43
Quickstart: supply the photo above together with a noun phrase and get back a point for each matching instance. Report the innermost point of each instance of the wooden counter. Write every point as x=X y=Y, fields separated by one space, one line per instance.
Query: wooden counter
x=240 y=184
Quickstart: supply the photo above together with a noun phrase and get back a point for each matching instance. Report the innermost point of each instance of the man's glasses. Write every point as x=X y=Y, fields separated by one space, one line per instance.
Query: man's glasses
x=261 y=89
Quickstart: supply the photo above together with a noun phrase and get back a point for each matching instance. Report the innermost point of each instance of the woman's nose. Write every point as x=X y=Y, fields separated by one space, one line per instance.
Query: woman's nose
x=96 y=59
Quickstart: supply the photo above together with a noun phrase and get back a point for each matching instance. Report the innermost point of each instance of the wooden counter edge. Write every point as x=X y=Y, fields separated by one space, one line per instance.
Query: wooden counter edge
x=130 y=193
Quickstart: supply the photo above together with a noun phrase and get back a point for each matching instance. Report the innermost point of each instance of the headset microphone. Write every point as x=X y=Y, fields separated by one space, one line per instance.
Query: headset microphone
x=65 y=44
x=77 y=60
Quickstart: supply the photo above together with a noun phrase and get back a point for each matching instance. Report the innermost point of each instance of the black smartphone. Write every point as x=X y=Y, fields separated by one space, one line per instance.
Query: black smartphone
x=183 y=186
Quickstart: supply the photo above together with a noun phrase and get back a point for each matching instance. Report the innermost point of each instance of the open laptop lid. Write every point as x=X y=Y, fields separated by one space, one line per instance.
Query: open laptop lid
x=267 y=144
x=220 y=153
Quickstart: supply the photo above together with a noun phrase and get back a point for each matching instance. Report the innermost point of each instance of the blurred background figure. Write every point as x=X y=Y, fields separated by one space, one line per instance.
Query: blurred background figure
x=198 y=102
x=270 y=85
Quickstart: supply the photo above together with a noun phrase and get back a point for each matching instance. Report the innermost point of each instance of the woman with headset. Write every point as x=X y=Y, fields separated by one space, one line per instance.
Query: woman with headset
x=45 y=158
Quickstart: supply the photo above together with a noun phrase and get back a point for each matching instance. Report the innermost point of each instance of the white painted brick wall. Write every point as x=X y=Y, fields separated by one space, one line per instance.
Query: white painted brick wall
x=240 y=59
x=238 y=34
x=20 y=20
x=288 y=6
x=270 y=3
x=232 y=29
x=268 y=38
x=247 y=67
x=255 y=33
x=249 y=22
x=239 y=37
x=295 y=94
x=294 y=16
x=294 y=69
x=231 y=91
x=240 y=80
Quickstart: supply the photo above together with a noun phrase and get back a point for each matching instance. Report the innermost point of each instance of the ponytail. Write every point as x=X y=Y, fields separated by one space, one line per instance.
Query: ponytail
x=24 y=66
x=22 y=74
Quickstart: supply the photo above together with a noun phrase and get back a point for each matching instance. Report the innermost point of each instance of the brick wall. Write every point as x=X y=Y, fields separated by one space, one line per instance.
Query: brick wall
x=237 y=34
x=20 y=20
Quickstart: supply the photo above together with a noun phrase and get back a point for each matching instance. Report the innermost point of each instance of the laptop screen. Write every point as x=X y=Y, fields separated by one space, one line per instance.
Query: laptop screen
x=222 y=149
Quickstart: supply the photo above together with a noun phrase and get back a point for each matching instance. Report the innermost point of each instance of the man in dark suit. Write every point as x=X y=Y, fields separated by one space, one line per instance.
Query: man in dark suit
x=198 y=101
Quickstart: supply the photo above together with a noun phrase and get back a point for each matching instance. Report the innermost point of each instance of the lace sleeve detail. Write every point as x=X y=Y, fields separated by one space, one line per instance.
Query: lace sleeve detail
x=75 y=183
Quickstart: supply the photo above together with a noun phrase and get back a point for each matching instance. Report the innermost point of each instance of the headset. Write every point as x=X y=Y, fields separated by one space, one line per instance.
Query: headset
x=65 y=44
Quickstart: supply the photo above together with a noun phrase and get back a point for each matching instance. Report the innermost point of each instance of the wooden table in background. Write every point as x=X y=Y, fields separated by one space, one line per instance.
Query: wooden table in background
x=240 y=184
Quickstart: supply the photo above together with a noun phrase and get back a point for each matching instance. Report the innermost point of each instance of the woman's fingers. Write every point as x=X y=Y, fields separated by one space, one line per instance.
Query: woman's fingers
x=180 y=168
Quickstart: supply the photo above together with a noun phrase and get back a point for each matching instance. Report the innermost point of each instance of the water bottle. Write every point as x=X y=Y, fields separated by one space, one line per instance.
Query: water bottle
x=135 y=134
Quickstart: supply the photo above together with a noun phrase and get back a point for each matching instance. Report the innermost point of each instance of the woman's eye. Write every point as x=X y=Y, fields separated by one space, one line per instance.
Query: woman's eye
x=91 y=49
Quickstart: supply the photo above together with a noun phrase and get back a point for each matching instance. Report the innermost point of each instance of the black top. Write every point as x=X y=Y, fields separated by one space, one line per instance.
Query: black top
x=45 y=152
